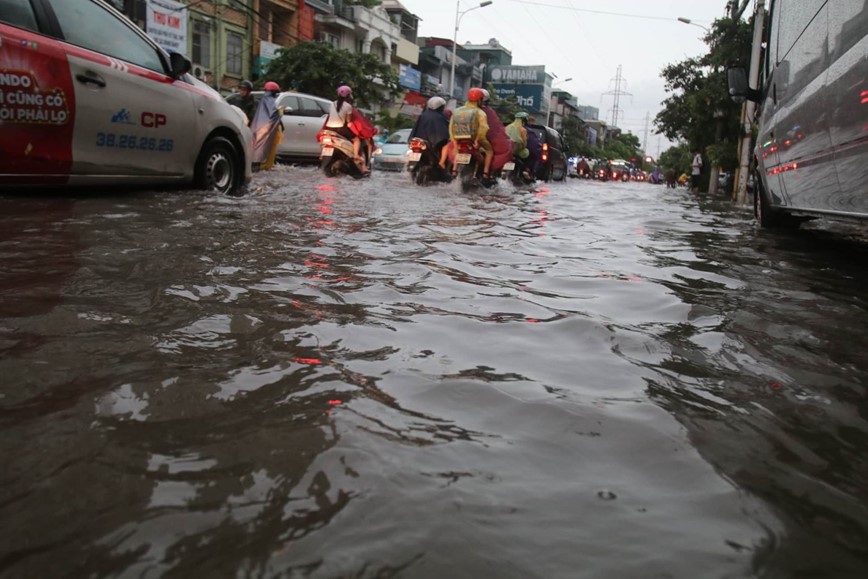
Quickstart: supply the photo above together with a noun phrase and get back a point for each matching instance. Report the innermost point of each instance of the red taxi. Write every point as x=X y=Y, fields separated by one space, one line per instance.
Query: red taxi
x=86 y=98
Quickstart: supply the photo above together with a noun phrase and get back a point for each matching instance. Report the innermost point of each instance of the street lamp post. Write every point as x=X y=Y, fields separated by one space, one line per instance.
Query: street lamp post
x=458 y=16
x=692 y=23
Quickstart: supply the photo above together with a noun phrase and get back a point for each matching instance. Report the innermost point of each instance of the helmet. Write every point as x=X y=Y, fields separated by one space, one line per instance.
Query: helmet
x=522 y=115
x=345 y=91
x=436 y=102
x=475 y=95
x=245 y=84
x=486 y=96
x=272 y=86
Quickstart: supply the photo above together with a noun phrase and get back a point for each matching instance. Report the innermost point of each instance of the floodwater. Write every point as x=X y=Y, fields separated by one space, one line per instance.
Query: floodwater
x=332 y=379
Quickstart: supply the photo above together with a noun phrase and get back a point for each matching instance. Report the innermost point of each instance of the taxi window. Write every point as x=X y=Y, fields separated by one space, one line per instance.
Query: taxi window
x=91 y=26
x=18 y=13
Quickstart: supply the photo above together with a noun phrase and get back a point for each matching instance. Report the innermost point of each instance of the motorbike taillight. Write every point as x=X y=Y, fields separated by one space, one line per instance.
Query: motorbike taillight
x=465 y=146
x=418 y=145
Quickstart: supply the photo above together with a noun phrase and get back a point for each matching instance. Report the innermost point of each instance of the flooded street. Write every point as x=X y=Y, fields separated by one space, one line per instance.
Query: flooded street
x=332 y=379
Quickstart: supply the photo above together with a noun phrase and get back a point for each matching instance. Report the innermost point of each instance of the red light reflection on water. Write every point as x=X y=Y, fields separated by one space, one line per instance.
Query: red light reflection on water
x=308 y=361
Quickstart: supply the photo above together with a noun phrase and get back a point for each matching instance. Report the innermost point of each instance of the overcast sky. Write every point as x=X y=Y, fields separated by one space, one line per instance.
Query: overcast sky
x=586 y=41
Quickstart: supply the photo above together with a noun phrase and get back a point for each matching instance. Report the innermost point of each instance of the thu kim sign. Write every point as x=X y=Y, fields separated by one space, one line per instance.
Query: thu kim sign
x=167 y=25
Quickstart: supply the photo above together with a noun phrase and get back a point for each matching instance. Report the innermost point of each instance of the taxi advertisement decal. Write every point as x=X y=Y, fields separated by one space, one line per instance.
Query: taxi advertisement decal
x=37 y=108
x=20 y=102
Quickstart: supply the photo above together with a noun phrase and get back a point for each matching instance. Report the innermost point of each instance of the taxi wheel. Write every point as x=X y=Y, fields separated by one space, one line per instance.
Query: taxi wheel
x=217 y=166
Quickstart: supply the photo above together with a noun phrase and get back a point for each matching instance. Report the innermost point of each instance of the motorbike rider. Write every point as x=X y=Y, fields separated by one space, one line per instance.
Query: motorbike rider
x=517 y=132
x=340 y=115
x=433 y=126
x=469 y=122
x=500 y=142
x=247 y=104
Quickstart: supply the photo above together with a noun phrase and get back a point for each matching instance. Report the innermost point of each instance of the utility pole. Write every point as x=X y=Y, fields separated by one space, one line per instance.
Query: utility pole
x=749 y=107
x=645 y=137
x=616 y=110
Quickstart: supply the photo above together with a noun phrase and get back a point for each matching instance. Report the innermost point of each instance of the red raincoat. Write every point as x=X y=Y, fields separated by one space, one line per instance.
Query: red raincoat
x=500 y=142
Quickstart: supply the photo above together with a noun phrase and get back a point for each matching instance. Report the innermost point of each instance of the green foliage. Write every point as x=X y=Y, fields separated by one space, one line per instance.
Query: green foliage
x=699 y=110
x=365 y=3
x=676 y=158
x=724 y=154
x=394 y=122
x=625 y=146
x=573 y=132
x=319 y=69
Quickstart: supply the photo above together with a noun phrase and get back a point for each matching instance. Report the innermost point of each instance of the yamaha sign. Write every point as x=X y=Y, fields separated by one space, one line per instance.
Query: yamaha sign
x=517 y=74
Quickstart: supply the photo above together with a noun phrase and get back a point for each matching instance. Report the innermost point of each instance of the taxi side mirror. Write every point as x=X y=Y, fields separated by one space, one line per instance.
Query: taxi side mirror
x=288 y=111
x=180 y=65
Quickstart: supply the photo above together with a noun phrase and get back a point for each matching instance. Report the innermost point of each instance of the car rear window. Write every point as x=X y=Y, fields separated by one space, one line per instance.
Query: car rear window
x=18 y=13
x=539 y=132
x=398 y=138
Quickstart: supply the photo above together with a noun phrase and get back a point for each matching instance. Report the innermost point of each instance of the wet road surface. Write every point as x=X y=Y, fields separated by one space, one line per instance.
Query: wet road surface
x=330 y=378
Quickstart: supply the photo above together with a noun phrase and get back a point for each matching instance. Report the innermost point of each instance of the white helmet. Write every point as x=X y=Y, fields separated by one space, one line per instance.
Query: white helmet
x=435 y=102
x=486 y=96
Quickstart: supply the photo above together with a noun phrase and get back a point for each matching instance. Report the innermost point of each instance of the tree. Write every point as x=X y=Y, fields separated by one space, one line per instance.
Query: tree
x=699 y=110
x=395 y=122
x=573 y=135
x=319 y=69
x=625 y=146
x=676 y=158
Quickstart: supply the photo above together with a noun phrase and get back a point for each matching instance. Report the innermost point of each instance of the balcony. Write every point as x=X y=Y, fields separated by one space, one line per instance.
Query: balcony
x=344 y=17
x=320 y=6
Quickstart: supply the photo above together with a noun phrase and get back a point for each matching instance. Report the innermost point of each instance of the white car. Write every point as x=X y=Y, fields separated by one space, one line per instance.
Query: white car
x=86 y=98
x=303 y=117
x=391 y=155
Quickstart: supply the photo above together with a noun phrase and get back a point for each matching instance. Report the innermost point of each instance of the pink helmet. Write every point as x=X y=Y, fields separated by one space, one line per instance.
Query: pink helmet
x=344 y=91
x=271 y=86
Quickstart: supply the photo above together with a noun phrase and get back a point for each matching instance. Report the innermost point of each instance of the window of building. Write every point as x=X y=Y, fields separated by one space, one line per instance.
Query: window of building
x=234 y=53
x=202 y=43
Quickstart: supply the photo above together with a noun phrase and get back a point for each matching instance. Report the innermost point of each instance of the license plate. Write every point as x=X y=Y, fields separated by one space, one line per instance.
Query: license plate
x=327 y=152
x=462 y=158
x=508 y=166
x=414 y=156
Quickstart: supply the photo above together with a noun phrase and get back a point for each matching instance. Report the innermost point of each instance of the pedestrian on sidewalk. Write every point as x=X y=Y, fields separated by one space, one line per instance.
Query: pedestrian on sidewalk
x=695 y=170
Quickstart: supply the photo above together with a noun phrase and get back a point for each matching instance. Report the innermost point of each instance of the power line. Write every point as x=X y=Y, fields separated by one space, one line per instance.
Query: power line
x=603 y=12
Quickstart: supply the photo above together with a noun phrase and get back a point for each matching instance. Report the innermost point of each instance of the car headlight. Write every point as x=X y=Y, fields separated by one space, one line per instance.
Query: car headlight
x=377 y=152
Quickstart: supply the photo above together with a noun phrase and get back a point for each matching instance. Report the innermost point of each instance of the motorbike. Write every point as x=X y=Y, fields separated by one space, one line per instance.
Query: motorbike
x=601 y=174
x=518 y=172
x=470 y=162
x=423 y=163
x=337 y=157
